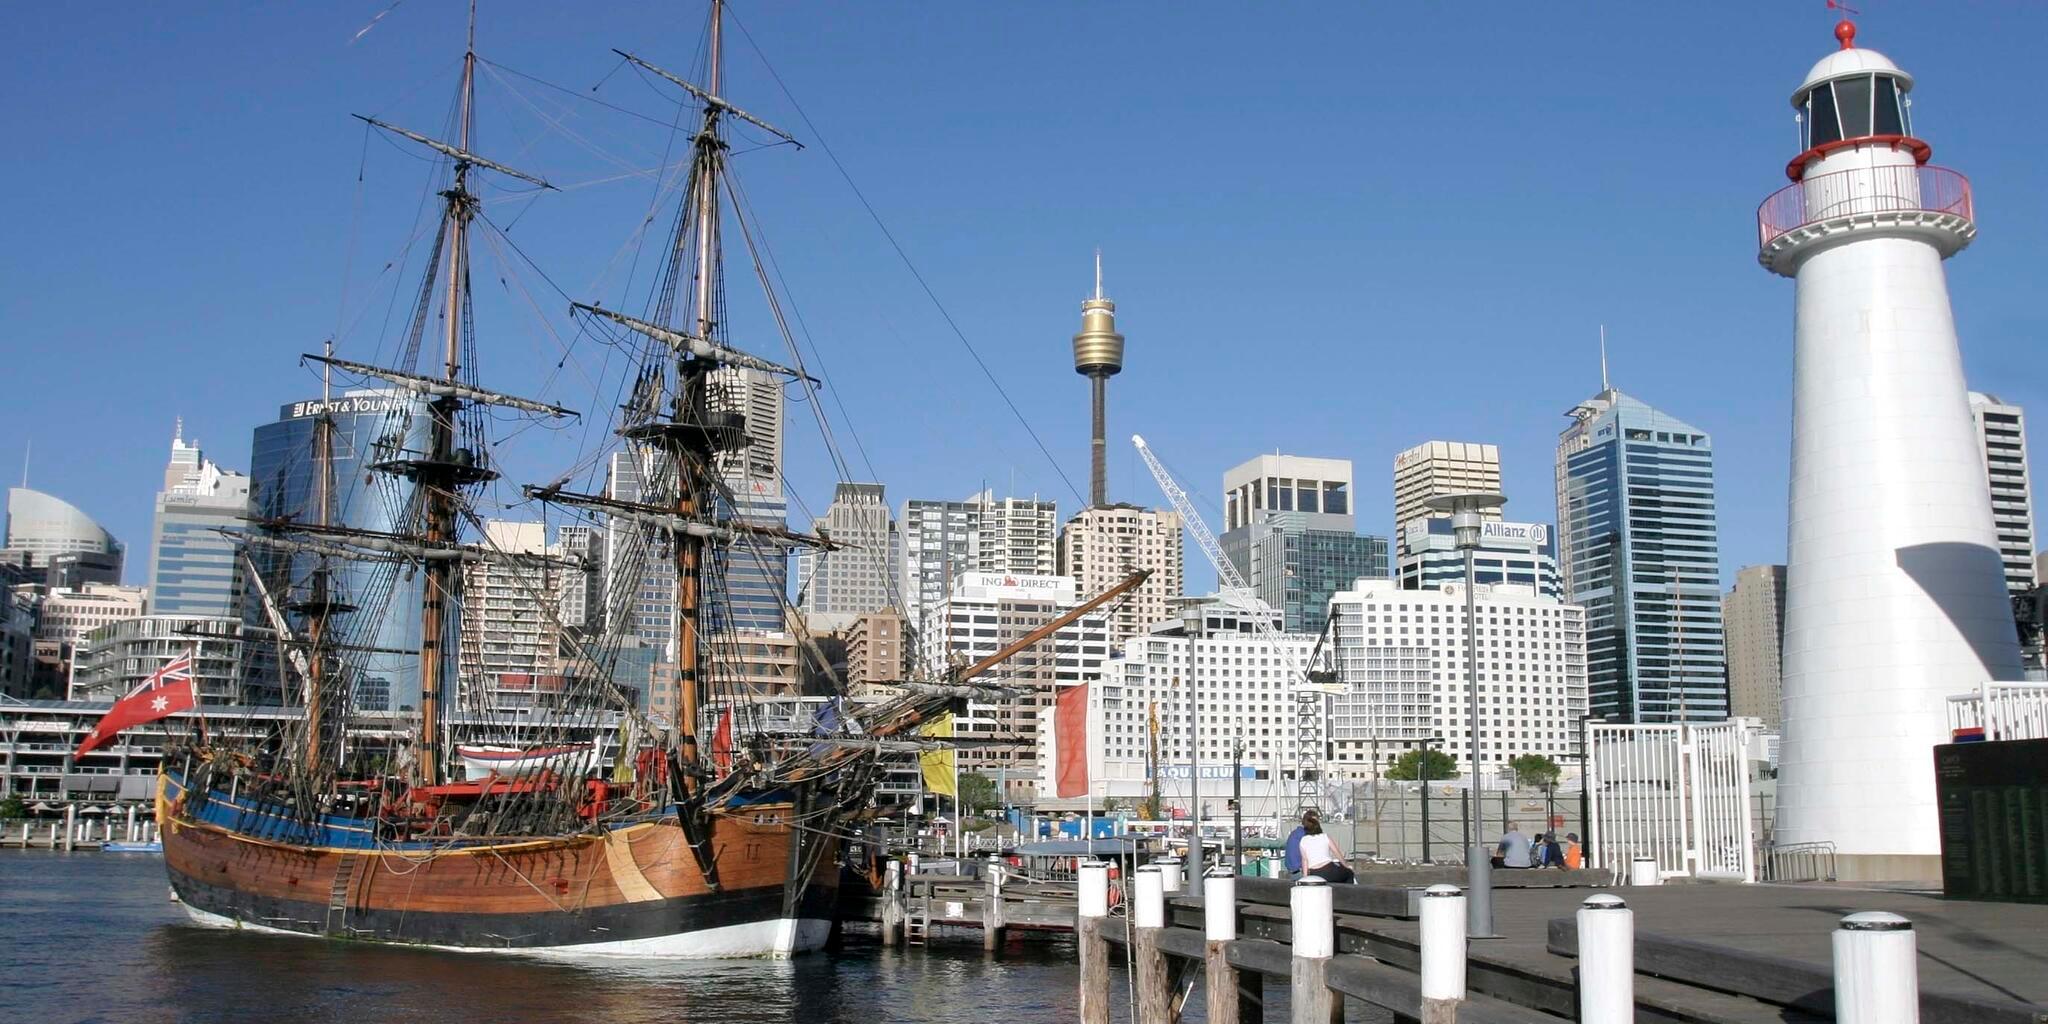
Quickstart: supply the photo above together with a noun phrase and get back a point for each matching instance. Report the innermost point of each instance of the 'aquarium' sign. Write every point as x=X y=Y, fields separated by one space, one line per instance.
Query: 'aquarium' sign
x=1209 y=771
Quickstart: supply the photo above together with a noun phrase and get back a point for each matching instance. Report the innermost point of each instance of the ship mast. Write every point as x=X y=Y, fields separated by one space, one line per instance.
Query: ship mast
x=439 y=476
x=319 y=606
x=691 y=482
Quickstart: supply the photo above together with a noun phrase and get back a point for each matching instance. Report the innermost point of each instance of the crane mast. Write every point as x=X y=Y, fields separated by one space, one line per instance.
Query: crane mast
x=1309 y=691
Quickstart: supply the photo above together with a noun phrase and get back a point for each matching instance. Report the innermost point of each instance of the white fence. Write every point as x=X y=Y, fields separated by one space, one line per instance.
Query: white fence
x=1679 y=794
x=2005 y=711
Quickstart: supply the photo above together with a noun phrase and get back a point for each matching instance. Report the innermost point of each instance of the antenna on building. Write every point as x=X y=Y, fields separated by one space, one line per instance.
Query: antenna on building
x=178 y=431
x=1098 y=271
x=1603 y=358
x=27 y=447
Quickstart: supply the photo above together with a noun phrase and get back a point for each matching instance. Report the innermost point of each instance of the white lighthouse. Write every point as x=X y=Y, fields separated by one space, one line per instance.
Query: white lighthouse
x=1895 y=595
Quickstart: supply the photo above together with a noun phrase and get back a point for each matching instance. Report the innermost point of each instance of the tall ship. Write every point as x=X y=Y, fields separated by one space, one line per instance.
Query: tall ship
x=592 y=822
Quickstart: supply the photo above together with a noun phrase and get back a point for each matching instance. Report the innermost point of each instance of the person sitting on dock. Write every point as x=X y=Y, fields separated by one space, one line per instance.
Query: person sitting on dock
x=1291 y=857
x=1319 y=853
x=1514 y=848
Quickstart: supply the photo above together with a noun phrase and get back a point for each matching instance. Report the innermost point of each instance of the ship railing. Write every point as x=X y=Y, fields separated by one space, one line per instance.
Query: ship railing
x=2004 y=711
x=1903 y=188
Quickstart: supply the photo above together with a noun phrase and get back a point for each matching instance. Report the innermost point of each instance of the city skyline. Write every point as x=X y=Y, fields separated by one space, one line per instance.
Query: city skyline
x=1177 y=302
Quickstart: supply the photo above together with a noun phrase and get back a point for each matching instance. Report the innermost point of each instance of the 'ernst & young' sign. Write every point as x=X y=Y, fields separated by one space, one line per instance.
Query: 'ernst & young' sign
x=347 y=405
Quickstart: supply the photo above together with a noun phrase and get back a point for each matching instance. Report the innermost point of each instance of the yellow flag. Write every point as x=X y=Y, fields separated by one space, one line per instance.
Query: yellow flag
x=937 y=764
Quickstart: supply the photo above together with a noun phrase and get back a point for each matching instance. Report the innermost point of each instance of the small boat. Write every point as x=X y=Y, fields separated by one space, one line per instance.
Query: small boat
x=483 y=761
x=153 y=846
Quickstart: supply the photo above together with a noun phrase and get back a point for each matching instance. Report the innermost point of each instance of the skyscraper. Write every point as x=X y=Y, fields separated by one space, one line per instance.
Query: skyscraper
x=838 y=586
x=1440 y=467
x=756 y=575
x=2002 y=440
x=1520 y=553
x=370 y=425
x=1104 y=544
x=48 y=527
x=1638 y=547
x=639 y=576
x=193 y=568
x=1754 y=613
x=1289 y=529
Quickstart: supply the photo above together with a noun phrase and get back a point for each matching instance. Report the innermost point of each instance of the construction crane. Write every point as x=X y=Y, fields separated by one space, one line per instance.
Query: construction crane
x=1311 y=687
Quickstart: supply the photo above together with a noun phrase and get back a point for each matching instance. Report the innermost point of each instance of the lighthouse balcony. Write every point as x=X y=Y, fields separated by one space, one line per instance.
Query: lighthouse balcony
x=1929 y=203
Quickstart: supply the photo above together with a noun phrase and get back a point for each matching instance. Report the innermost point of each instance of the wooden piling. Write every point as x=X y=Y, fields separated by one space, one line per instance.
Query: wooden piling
x=1313 y=924
x=1092 y=911
x=992 y=919
x=1149 y=976
x=892 y=903
x=1219 y=929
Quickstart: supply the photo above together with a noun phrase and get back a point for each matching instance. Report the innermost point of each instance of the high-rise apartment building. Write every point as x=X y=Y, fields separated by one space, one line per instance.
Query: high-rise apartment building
x=875 y=652
x=68 y=616
x=1639 y=547
x=1018 y=535
x=118 y=656
x=1440 y=467
x=2002 y=440
x=1104 y=544
x=193 y=568
x=943 y=539
x=987 y=611
x=861 y=575
x=1754 y=615
x=1290 y=530
x=511 y=637
x=1401 y=655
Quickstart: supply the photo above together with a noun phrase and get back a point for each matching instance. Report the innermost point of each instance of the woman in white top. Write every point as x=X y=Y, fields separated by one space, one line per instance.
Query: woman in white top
x=1319 y=856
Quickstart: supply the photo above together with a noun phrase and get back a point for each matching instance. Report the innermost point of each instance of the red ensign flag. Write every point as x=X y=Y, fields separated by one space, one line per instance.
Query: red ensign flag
x=162 y=695
x=721 y=742
x=1070 y=737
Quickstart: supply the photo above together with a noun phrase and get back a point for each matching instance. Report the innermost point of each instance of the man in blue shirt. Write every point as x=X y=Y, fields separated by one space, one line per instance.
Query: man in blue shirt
x=1292 y=860
x=1514 y=848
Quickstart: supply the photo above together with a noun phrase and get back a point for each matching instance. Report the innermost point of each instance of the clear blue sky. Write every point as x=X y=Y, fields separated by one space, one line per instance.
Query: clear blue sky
x=1333 y=230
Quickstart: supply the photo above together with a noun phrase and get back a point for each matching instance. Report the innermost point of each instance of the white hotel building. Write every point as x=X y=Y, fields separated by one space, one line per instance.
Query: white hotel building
x=1244 y=690
x=1401 y=656
x=987 y=611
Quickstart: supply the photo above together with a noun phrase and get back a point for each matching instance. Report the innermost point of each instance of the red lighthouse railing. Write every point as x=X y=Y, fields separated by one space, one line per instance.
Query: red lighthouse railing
x=1899 y=189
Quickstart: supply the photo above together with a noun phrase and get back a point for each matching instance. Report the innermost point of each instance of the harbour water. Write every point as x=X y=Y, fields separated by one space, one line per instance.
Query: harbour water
x=94 y=937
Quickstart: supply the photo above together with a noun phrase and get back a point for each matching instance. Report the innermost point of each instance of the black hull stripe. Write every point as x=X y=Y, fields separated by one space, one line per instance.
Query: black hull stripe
x=610 y=923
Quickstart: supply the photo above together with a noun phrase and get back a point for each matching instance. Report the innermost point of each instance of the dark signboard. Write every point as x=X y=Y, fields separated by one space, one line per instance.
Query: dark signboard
x=1994 y=819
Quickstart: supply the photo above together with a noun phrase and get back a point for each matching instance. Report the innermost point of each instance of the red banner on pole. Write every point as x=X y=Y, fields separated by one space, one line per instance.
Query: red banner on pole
x=1070 y=737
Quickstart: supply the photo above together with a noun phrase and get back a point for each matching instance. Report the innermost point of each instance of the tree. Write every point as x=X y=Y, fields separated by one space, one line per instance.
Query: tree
x=1109 y=805
x=977 y=793
x=1534 y=770
x=12 y=807
x=1408 y=767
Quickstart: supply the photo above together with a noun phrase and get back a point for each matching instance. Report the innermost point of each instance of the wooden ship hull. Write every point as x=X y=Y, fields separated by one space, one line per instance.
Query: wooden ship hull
x=632 y=890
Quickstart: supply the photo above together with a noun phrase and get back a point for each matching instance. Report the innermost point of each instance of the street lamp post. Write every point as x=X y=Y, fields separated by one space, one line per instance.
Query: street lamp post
x=1467 y=511
x=1191 y=619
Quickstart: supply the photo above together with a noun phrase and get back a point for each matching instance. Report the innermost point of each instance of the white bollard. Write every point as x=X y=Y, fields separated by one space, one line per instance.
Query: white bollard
x=1876 y=970
x=995 y=871
x=1643 y=871
x=1170 y=873
x=1149 y=895
x=1094 y=889
x=913 y=863
x=1607 y=960
x=1314 y=928
x=1219 y=907
x=1443 y=953
x=892 y=875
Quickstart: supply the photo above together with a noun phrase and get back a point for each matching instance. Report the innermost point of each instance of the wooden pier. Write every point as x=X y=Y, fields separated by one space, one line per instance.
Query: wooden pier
x=1703 y=953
